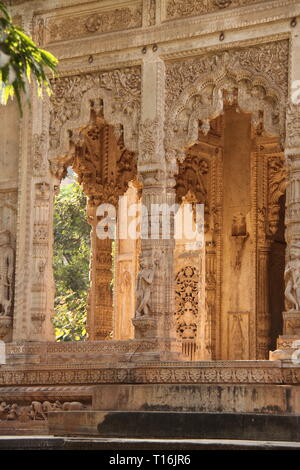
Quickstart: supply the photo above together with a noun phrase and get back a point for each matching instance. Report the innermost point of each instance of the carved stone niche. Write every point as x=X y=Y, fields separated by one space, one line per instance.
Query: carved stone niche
x=7 y=272
x=145 y=322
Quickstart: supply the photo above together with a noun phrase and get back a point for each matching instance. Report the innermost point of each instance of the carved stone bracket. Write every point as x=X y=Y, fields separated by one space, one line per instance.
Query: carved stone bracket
x=120 y=92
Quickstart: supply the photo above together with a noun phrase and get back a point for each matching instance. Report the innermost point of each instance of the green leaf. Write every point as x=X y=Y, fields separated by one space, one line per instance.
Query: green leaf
x=26 y=58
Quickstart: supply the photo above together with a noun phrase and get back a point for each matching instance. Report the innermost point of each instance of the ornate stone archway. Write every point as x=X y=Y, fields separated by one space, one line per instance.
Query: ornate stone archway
x=239 y=77
x=239 y=80
x=81 y=108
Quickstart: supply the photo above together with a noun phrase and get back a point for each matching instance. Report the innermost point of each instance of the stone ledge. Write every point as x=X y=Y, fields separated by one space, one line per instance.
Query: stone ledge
x=56 y=443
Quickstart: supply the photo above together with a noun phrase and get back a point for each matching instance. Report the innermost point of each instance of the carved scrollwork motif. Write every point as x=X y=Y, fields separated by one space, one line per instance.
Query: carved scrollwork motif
x=75 y=26
x=187 y=291
x=40 y=165
x=192 y=178
x=277 y=176
x=103 y=174
x=120 y=90
x=238 y=76
x=293 y=126
x=150 y=141
x=121 y=18
x=178 y=8
x=245 y=61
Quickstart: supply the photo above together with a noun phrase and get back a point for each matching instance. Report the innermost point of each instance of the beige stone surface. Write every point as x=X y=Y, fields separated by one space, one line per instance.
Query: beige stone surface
x=147 y=85
x=200 y=398
x=163 y=101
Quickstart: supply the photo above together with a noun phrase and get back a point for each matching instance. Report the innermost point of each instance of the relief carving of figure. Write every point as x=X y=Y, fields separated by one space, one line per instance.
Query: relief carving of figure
x=292 y=278
x=143 y=288
x=6 y=274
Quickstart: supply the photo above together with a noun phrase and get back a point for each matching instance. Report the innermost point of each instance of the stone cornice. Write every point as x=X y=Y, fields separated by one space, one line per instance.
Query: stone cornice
x=185 y=28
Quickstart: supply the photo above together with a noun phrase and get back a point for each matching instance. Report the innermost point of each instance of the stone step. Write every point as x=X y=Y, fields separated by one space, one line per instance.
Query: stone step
x=174 y=425
x=66 y=443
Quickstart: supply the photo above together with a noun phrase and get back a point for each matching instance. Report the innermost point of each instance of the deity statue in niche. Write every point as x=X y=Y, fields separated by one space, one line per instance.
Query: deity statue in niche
x=6 y=274
x=125 y=294
x=143 y=288
x=292 y=278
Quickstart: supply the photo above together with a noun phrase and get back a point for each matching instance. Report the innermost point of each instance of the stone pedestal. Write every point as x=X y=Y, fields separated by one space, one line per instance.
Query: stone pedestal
x=288 y=349
x=291 y=323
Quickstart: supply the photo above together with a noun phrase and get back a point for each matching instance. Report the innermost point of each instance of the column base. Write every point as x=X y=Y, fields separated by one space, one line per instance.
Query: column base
x=6 y=323
x=145 y=327
x=288 y=349
x=148 y=328
x=288 y=344
x=291 y=323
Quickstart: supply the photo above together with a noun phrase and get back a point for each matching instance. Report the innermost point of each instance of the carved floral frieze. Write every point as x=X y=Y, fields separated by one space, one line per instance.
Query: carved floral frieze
x=293 y=126
x=183 y=374
x=121 y=93
x=80 y=25
x=183 y=8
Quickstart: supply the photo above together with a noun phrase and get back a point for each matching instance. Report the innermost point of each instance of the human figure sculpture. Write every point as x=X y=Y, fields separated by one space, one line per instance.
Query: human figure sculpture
x=6 y=274
x=292 y=278
x=143 y=289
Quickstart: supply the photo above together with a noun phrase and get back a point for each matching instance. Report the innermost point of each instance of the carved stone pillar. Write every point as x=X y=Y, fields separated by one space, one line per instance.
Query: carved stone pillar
x=291 y=317
x=263 y=314
x=154 y=310
x=125 y=267
x=42 y=282
x=100 y=304
x=155 y=283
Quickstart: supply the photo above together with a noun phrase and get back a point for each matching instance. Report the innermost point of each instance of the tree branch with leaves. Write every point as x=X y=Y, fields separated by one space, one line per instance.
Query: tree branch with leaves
x=20 y=60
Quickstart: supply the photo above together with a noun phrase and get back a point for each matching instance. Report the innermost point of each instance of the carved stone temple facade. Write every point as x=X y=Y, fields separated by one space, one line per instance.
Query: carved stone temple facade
x=165 y=102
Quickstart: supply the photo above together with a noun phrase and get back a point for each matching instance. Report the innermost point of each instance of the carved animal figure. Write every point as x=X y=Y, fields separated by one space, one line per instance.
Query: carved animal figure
x=36 y=411
x=47 y=406
x=3 y=410
x=72 y=406
x=13 y=413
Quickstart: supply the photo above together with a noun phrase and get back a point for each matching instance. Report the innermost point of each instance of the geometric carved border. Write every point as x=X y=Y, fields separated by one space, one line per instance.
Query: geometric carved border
x=215 y=372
